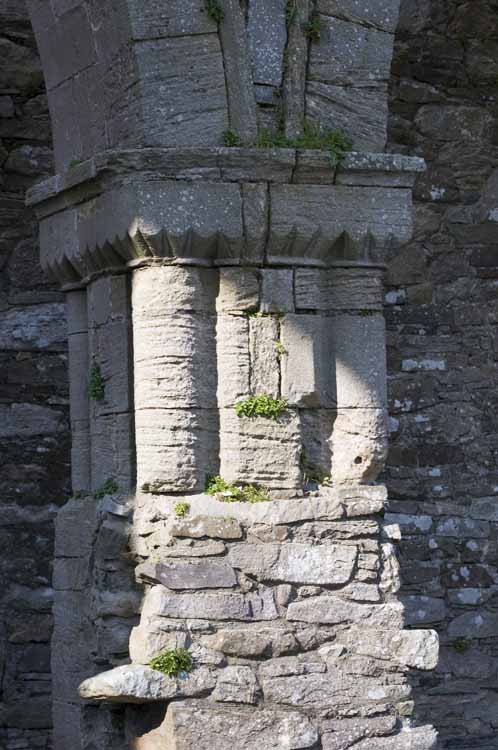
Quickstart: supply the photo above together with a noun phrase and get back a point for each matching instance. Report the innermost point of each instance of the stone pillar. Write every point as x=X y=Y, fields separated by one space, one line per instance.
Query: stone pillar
x=228 y=373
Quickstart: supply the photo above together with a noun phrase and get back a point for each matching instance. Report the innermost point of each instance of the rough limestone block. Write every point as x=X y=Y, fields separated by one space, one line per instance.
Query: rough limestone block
x=339 y=289
x=325 y=564
x=358 y=353
x=267 y=37
x=424 y=610
x=243 y=642
x=306 y=220
x=416 y=738
x=239 y=290
x=308 y=378
x=175 y=362
x=277 y=290
x=358 y=444
x=236 y=685
x=331 y=610
x=255 y=216
x=194 y=725
x=260 y=451
x=350 y=54
x=295 y=69
x=196 y=527
x=240 y=90
x=148 y=640
x=211 y=574
x=232 y=339
x=339 y=734
x=251 y=607
x=135 y=683
x=383 y=14
x=361 y=113
x=160 y=291
x=183 y=90
x=79 y=365
x=112 y=450
x=175 y=18
x=417 y=649
x=264 y=335
x=176 y=448
x=38 y=327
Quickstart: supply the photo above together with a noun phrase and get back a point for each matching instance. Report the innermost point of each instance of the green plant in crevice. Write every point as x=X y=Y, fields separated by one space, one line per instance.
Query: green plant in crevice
x=231 y=493
x=110 y=487
x=260 y=405
x=96 y=389
x=215 y=11
x=182 y=509
x=290 y=12
x=230 y=138
x=280 y=349
x=461 y=645
x=173 y=662
x=365 y=313
x=74 y=163
x=313 y=29
x=313 y=137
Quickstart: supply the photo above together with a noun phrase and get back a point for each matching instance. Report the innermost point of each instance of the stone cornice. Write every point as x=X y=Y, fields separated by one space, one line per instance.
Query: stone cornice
x=223 y=206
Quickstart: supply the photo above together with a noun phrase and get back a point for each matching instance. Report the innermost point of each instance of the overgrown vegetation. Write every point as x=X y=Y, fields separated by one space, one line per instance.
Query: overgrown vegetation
x=96 y=389
x=230 y=138
x=182 y=509
x=215 y=11
x=260 y=406
x=110 y=487
x=313 y=137
x=173 y=662
x=231 y=493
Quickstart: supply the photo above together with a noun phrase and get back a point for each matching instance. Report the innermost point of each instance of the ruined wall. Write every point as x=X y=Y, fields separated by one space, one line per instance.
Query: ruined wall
x=34 y=431
x=441 y=312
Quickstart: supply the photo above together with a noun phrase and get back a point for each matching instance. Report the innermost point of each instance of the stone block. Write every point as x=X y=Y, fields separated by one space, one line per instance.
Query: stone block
x=239 y=290
x=162 y=291
x=75 y=527
x=417 y=649
x=232 y=342
x=236 y=684
x=39 y=327
x=423 y=610
x=338 y=289
x=255 y=206
x=358 y=352
x=112 y=450
x=176 y=448
x=135 y=683
x=477 y=624
x=196 y=527
x=325 y=564
x=340 y=734
x=148 y=639
x=309 y=221
x=358 y=444
x=177 y=18
x=242 y=642
x=307 y=367
x=206 y=727
x=331 y=610
x=383 y=15
x=264 y=338
x=29 y=420
x=267 y=38
x=220 y=606
x=260 y=451
x=416 y=738
x=210 y=574
x=183 y=90
x=277 y=290
x=175 y=362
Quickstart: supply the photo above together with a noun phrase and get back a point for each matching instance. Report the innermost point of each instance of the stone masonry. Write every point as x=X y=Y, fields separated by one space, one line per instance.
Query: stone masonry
x=197 y=276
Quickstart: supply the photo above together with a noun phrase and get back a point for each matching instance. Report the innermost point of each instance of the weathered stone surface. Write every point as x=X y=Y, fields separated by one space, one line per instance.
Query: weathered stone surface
x=151 y=637
x=424 y=738
x=223 y=606
x=236 y=685
x=252 y=643
x=264 y=338
x=422 y=610
x=338 y=289
x=277 y=290
x=239 y=290
x=195 y=725
x=359 y=444
x=233 y=357
x=408 y=648
x=332 y=610
x=307 y=369
x=295 y=563
x=383 y=15
x=134 y=683
x=340 y=734
x=267 y=36
x=197 y=527
x=209 y=574
x=33 y=328
x=480 y=624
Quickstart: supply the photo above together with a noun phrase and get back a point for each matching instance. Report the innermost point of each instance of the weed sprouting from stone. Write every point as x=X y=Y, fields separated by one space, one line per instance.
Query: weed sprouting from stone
x=313 y=29
x=280 y=349
x=215 y=11
x=313 y=137
x=110 y=487
x=173 y=663
x=182 y=509
x=230 y=138
x=96 y=389
x=231 y=493
x=260 y=405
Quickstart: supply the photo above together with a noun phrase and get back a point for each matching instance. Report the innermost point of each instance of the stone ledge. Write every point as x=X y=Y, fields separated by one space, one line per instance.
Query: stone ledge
x=224 y=165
